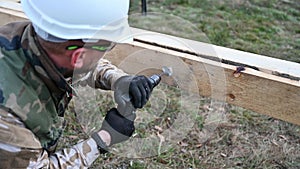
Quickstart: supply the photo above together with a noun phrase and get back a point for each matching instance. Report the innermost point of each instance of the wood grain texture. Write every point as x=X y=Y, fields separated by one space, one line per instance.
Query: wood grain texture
x=251 y=89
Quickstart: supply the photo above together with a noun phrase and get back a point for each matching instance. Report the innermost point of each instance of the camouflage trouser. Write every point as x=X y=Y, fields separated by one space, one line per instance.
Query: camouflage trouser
x=19 y=148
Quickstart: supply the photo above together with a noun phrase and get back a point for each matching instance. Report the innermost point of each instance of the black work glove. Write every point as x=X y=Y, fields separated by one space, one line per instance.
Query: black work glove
x=138 y=88
x=120 y=128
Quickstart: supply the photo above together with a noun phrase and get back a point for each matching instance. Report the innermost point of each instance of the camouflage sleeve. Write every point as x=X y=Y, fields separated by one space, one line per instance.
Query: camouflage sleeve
x=103 y=76
x=19 y=148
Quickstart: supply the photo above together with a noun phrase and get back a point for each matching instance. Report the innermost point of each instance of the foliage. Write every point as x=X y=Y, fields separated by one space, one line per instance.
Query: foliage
x=270 y=28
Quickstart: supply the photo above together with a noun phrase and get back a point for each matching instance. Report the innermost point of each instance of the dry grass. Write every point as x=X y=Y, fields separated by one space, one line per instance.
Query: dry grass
x=238 y=138
x=241 y=139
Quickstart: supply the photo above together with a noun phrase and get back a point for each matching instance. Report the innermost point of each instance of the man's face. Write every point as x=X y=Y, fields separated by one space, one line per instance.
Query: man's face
x=91 y=53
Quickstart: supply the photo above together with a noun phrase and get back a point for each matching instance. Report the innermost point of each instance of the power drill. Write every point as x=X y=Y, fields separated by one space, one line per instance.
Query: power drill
x=125 y=106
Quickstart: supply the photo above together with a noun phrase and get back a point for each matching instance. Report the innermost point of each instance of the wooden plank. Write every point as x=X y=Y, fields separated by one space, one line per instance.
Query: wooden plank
x=14 y=1
x=10 y=12
x=222 y=54
x=256 y=88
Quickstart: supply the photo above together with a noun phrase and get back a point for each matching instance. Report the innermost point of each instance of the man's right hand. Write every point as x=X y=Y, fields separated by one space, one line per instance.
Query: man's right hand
x=119 y=127
x=138 y=88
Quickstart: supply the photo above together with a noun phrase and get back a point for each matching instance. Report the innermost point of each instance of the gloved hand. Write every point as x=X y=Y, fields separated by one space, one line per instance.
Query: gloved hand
x=120 y=128
x=138 y=88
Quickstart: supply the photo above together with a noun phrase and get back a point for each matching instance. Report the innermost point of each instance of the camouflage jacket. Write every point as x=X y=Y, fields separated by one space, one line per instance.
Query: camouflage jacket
x=31 y=87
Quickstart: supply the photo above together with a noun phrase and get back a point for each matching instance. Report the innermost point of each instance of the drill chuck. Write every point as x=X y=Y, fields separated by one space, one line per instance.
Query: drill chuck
x=155 y=79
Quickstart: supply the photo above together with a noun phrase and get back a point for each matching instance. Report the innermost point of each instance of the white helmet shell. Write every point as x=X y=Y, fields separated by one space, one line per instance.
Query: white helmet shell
x=80 y=19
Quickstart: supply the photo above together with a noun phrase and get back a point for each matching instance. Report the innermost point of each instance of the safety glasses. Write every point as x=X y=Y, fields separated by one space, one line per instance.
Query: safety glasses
x=98 y=47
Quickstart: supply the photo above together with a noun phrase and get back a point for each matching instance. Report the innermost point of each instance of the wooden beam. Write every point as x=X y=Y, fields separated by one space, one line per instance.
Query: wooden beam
x=251 y=89
x=10 y=11
x=218 y=53
x=265 y=85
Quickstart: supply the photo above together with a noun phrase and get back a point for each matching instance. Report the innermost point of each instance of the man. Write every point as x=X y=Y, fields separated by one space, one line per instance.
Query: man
x=39 y=60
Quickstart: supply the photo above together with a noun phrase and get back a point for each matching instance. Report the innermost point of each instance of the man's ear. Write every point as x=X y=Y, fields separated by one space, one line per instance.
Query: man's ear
x=77 y=58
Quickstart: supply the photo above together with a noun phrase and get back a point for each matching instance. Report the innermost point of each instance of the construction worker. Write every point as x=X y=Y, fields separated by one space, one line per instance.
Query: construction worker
x=39 y=60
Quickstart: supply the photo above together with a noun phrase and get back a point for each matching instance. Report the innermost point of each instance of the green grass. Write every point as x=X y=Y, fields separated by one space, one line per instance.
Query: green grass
x=242 y=139
x=263 y=27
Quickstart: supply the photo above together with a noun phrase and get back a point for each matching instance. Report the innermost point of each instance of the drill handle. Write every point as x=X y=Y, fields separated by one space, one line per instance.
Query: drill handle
x=125 y=106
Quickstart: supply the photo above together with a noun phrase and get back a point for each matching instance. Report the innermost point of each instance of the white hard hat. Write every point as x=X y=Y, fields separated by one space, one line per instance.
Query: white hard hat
x=79 y=19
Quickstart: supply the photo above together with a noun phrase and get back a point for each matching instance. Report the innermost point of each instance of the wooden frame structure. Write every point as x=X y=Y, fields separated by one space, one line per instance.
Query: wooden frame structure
x=262 y=84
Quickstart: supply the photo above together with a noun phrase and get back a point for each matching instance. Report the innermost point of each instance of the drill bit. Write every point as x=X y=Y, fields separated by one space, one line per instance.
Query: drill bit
x=155 y=79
